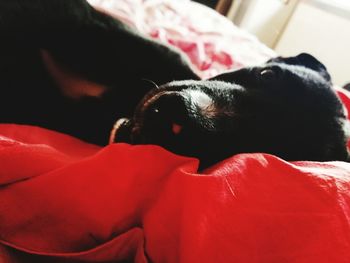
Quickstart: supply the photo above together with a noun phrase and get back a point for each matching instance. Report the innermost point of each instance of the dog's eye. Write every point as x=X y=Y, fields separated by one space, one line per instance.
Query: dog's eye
x=271 y=73
x=267 y=74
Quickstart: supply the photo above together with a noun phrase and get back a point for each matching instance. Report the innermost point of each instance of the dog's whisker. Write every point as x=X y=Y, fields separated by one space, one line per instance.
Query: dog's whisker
x=152 y=82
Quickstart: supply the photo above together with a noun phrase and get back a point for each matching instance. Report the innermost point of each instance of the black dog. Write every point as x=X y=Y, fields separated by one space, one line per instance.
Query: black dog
x=286 y=107
x=67 y=67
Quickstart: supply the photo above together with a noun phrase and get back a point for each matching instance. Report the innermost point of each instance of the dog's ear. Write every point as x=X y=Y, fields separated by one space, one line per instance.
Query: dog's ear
x=305 y=60
x=347 y=86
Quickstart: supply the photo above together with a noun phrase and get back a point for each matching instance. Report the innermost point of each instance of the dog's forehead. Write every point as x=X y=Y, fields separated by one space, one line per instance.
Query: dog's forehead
x=299 y=73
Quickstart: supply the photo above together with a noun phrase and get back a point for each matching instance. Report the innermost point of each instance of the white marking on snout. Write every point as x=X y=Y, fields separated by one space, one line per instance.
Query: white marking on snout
x=200 y=100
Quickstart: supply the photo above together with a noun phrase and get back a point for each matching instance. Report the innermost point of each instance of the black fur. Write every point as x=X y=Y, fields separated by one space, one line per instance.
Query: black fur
x=88 y=43
x=286 y=107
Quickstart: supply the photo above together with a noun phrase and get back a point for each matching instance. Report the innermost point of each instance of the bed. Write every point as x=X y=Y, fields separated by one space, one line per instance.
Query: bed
x=64 y=200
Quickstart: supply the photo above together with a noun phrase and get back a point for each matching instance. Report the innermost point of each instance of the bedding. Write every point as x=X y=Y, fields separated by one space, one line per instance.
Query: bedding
x=212 y=43
x=64 y=200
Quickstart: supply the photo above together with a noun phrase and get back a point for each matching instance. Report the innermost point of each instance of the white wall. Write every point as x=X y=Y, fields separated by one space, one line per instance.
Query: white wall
x=322 y=33
x=264 y=18
x=319 y=27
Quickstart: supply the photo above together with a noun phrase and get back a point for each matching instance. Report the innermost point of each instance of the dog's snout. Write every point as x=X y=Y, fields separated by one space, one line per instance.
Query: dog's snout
x=161 y=117
x=167 y=108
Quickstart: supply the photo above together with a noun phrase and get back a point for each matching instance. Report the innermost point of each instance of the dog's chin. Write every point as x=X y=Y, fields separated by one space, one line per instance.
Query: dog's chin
x=121 y=131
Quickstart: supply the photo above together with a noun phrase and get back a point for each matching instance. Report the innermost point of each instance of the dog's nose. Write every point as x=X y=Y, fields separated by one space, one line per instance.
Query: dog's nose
x=163 y=116
x=168 y=107
x=166 y=100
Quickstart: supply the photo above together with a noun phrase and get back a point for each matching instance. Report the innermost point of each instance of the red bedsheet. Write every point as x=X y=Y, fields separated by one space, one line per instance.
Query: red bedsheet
x=63 y=200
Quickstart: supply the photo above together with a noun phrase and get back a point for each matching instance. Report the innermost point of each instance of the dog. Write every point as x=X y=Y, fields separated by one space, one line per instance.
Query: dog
x=68 y=67
x=286 y=107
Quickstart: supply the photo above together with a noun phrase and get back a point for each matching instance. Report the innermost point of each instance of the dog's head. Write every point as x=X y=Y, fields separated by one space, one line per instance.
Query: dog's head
x=286 y=107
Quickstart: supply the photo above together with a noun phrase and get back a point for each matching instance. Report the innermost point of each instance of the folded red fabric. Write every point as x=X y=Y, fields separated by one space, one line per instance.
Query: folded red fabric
x=63 y=200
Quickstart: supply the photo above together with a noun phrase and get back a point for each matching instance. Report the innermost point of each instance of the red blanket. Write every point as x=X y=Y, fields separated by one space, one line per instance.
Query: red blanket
x=63 y=200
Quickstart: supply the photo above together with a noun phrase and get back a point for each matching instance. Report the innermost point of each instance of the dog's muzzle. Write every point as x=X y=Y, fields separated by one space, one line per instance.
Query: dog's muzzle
x=158 y=117
x=162 y=116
